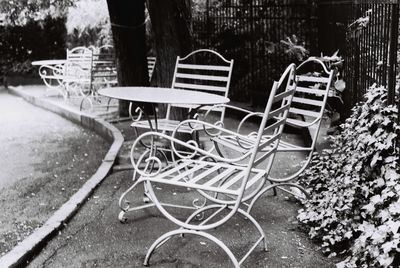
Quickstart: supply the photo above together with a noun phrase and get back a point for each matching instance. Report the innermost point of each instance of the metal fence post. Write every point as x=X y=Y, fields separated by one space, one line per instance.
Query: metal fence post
x=393 y=52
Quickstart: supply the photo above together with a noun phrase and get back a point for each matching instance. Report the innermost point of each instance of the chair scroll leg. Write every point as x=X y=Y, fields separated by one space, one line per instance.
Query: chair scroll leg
x=123 y=204
x=162 y=239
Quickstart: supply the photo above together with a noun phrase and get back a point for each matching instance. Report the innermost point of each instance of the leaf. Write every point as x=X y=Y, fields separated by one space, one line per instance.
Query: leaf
x=393 y=225
x=375 y=158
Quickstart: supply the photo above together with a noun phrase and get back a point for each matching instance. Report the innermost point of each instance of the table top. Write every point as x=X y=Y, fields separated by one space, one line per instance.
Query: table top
x=163 y=95
x=48 y=62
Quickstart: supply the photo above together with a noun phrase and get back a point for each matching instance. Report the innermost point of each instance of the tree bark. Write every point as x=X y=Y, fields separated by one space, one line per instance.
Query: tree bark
x=128 y=27
x=171 y=24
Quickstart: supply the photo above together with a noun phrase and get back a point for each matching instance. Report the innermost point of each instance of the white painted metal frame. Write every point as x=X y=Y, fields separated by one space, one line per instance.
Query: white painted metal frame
x=52 y=73
x=225 y=182
x=77 y=71
x=306 y=113
x=191 y=75
x=103 y=73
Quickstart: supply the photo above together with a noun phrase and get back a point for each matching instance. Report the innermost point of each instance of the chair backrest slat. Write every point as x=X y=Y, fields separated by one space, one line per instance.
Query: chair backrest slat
x=319 y=103
x=204 y=67
x=199 y=87
x=203 y=70
x=317 y=92
x=78 y=64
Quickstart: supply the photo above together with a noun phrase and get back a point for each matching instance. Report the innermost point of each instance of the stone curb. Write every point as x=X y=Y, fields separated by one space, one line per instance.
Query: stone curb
x=22 y=252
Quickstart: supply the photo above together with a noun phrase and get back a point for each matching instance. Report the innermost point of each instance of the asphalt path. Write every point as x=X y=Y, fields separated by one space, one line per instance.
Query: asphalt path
x=25 y=131
x=44 y=159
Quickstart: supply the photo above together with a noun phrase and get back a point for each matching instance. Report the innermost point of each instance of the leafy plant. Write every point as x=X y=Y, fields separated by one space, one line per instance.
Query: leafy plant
x=354 y=207
x=88 y=23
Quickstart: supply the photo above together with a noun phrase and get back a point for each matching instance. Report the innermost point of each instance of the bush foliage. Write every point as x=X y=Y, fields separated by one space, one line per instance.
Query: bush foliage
x=354 y=207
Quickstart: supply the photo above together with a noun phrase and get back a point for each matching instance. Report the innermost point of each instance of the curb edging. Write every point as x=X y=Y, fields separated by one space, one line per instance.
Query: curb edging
x=25 y=249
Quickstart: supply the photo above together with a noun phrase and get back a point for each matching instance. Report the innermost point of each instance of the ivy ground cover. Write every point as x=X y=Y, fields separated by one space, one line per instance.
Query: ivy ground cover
x=354 y=209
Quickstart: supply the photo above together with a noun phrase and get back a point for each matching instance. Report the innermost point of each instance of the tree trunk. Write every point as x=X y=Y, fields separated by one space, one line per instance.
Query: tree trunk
x=171 y=24
x=128 y=27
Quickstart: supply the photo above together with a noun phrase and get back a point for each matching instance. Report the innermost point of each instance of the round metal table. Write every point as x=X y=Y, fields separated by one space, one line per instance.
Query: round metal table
x=163 y=95
x=48 y=62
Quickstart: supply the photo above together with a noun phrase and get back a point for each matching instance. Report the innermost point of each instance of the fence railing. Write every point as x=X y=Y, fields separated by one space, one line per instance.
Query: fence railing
x=251 y=31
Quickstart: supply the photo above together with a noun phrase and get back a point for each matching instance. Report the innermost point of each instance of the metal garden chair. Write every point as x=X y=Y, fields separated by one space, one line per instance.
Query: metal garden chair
x=77 y=71
x=234 y=179
x=313 y=85
x=212 y=75
x=103 y=73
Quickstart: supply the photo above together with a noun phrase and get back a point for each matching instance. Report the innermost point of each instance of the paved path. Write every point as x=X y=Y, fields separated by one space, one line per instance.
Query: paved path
x=95 y=237
x=25 y=131
x=44 y=159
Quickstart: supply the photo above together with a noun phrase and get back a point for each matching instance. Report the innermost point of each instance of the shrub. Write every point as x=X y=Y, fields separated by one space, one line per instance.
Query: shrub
x=88 y=24
x=354 y=207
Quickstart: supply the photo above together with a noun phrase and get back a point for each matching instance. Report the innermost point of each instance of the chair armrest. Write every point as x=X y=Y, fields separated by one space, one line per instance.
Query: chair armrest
x=193 y=151
x=247 y=114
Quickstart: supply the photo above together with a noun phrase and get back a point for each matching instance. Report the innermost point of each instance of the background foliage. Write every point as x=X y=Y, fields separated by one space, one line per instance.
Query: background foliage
x=354 y=207
x=88 y=23
x=35 y=40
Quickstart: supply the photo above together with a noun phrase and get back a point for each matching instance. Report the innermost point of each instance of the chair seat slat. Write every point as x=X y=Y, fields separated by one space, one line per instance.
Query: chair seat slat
x=220 y=176
x=189 y=171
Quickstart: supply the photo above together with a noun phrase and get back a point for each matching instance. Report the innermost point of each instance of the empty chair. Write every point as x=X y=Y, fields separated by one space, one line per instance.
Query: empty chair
x=77 y=71
x=313 y=81
x=203 y=70
x=225 y=182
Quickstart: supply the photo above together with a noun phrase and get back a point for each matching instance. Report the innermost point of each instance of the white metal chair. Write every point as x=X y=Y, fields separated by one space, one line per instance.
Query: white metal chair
x=52 y=76
x=224 y=182
x=203 y=70
x=151 y=64
x=103 y=73
x=313 y=85
x=77 y=71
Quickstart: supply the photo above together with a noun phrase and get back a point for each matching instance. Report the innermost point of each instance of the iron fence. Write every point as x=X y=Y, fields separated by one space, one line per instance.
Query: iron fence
x=251 y=31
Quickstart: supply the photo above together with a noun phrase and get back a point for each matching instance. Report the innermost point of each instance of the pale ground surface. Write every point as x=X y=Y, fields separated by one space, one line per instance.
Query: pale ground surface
x=44 y=159
x=95 y=238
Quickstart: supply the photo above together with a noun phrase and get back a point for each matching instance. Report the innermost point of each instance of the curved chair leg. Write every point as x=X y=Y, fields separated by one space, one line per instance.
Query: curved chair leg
x=123 y=204
x=273 y=186
x=241 y=211
x=256 y=224
x=162 y=239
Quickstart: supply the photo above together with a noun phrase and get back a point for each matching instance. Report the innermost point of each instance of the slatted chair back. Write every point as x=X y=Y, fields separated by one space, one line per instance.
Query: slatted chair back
x=276 y=113
x=104 y=70
x=79 y=62
x=203 y=70
x=313 y=85
x=151 y=63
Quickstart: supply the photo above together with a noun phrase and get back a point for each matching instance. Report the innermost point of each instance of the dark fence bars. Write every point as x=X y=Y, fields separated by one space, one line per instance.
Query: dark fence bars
x=250 y=31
